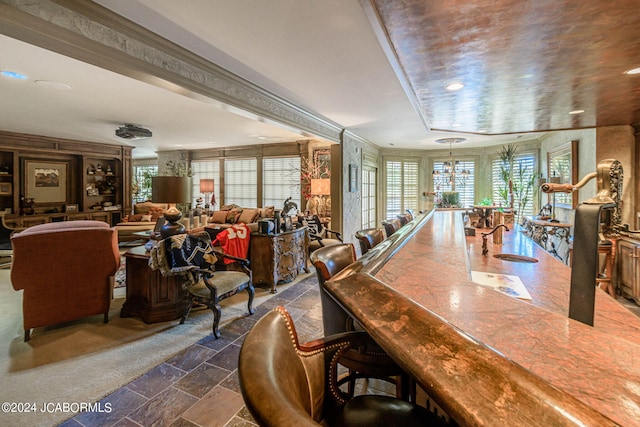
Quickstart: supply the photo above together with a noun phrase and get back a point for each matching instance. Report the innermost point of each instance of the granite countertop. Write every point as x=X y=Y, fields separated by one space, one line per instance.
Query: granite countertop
x=596 y=365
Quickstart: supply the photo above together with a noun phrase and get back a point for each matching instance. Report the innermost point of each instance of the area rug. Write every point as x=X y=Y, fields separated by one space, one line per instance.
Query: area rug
x=120 y=279
x=86 y=360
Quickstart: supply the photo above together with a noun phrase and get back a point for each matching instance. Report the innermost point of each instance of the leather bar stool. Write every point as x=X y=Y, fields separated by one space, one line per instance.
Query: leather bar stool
x=370 y=361
x=285 y=383
x=369 y=238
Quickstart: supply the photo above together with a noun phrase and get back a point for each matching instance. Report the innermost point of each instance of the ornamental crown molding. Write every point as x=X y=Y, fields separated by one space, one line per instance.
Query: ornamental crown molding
x=93 y=34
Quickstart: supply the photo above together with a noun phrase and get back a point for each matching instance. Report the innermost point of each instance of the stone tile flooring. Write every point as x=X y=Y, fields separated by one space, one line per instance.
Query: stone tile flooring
x=199 y=386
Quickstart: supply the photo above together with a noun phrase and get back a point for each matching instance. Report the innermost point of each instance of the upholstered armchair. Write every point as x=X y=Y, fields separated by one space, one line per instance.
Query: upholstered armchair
x=64 y=269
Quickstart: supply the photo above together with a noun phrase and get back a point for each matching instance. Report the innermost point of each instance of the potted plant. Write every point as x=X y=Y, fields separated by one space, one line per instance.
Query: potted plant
x=518 y=180
x=450 y=199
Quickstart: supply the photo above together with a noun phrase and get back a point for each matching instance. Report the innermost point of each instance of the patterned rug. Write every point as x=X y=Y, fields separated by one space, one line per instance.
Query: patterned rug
x=120 y=280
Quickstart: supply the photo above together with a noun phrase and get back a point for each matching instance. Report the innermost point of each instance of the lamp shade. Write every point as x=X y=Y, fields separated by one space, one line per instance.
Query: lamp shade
x=206 y=186
x=170 y=189
x=321 y=187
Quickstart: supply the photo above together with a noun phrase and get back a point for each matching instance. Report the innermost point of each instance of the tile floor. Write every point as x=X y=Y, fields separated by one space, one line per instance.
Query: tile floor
x=199 y=386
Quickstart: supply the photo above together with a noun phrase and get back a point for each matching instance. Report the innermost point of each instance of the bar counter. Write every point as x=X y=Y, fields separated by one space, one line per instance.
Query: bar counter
x=485 y=357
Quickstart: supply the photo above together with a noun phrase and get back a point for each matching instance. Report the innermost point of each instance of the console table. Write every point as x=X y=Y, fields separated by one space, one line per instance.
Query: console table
x=150 y=295
x=277 y=258
x=541 y=231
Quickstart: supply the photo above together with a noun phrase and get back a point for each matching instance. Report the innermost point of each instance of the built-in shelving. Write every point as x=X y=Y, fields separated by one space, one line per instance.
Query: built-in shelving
x=83 y=168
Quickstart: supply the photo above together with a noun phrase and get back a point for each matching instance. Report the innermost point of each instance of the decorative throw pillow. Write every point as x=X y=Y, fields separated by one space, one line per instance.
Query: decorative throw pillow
x=233 y=215
x=248 y=216
x=267 y=212
x=135 y=218
x=218 y=217
x=229 y=207
x=141 y=208
x=146 y=218
x=155 y=213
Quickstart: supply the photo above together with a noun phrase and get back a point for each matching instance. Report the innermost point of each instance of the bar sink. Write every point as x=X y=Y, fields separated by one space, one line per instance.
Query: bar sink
x=515 y=258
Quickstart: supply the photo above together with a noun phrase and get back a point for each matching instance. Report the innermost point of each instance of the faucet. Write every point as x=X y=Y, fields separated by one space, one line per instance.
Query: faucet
x=485 y=250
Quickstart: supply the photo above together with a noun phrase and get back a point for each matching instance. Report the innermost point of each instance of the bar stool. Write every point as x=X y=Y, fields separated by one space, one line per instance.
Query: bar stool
x=603 y=279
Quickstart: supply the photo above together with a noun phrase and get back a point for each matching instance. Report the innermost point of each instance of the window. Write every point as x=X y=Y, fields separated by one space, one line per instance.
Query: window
x=524 y=167
x=464 y=184
x=241 y=182
x=209 y=169
x=281 y=180
x=142 y=179
x=368 y=197
x=402 y=186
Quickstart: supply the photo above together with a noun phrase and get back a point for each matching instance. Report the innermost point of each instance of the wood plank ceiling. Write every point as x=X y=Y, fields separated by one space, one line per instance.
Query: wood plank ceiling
x=525 y=65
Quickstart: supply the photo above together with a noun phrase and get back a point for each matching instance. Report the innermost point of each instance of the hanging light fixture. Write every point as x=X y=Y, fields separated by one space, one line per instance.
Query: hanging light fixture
x=451 y=172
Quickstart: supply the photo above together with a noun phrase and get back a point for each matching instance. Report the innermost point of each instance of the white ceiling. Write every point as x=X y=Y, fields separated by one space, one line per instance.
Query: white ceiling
x=320 y=55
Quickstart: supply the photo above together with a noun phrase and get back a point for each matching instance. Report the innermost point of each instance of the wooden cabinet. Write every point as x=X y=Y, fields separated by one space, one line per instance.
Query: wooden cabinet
x=6 y=180
x=102 y=184
x=277 y=258
x=150 y=295
x=628 y=260
x=83 y=166
x=24 y=221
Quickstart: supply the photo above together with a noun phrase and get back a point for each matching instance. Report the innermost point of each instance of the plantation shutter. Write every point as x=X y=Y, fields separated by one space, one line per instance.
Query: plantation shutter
x=280 y=180
x=402 y=186
x=464 y=186
x=241 y=182
x=209 y=169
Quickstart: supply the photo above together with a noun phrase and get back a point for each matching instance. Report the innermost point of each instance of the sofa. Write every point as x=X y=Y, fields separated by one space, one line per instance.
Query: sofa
x=229 y=215
x=64 y=270
x=144 y=218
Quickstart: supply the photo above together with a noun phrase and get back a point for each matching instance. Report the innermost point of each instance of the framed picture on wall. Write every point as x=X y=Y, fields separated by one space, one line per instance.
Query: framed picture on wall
x=46 y=182
x=353 y=178
x=322 y=159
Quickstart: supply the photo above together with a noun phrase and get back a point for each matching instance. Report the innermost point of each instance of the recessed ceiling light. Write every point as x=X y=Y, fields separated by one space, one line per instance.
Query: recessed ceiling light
x=53 y=85
x=482 y=131
x=13 y=75
x=262 y=137
x=576 y=112
x=456 y=125
x=454 y=86
x=633 y=71
x=212 y=142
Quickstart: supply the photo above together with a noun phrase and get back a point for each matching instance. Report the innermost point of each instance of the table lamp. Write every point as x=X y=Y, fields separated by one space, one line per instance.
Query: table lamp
x=171 y=190
x=206 y=187
x=321 y=187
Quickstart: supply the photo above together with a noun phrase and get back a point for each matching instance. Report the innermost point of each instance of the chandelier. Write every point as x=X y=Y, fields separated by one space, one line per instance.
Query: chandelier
x=451 y=175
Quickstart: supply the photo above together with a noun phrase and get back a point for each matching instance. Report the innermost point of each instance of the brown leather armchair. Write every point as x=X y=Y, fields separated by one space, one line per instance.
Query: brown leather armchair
x=285 y=383
x=64 y=269
x=369 y=238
